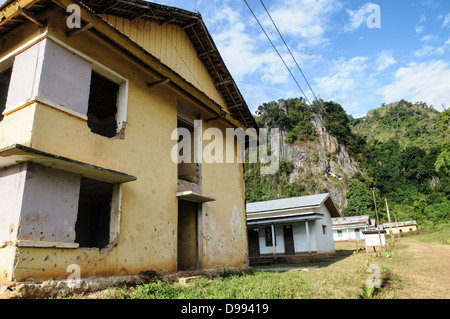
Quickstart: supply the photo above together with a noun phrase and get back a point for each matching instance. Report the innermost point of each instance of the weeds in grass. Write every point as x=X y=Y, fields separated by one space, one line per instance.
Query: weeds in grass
x=384 y=289
x=367 y=292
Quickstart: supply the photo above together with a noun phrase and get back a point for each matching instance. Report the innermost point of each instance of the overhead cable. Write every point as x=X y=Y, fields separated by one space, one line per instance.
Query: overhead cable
x=287 y=47
x=290 y=72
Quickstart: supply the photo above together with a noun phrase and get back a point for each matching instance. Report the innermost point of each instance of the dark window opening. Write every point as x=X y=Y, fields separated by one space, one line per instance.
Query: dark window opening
x=102 y=108
x=269 y=241
x=5 y=78
x=94 y=213
x=188 y=171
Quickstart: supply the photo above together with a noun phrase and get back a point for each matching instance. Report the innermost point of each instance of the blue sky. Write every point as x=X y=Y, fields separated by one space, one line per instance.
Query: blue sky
x=342 y=58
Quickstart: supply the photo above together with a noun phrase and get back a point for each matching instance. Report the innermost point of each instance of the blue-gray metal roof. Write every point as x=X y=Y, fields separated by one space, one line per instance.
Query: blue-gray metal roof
x=290 y=203
x=400 y=224
x=291 y=219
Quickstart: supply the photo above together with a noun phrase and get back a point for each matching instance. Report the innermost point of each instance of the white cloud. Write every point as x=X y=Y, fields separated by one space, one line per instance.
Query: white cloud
x=358 y=17
x=348 y=84
x=384 y=60
x=427 y=81
x=426 y=50
x=344 y=77
x=307 y=20
x=446 y=22
x=241 y=50
x=429 y=50
x=429 y=37
x=419 y=29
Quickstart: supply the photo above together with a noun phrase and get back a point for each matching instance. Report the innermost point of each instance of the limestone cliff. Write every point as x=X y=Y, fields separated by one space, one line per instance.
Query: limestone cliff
x=322 y=165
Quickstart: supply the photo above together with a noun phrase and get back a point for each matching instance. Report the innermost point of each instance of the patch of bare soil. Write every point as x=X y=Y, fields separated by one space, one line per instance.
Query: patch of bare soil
x=422 y=270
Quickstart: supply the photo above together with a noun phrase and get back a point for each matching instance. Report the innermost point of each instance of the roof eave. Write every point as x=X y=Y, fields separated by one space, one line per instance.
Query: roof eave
x=238 y=109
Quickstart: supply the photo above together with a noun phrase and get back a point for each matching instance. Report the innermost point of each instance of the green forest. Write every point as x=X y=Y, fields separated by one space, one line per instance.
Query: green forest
x=403 y=151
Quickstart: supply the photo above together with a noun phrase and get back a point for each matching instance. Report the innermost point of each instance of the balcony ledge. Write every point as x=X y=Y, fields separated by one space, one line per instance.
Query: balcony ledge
x=18 y=153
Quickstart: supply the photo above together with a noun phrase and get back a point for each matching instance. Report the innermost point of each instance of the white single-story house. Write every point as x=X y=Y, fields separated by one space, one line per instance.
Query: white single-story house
x=292 y=229
x=350 y=228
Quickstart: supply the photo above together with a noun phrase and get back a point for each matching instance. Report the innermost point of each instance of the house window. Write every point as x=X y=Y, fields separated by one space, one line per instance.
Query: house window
x=188 y=170
x=102 y=109
x=5 y=77
x=189 y=156
x=324 y=229
x=92 y=227
x=339 y=232
x=269 y=239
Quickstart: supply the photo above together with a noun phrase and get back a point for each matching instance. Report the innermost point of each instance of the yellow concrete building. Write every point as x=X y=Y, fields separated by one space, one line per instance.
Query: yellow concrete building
x=400 y=227
x=91 y=93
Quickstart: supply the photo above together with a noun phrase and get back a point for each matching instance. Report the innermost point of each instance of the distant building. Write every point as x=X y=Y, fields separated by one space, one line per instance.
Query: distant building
x=292 y=229
x=350 y=228
x=400 y=227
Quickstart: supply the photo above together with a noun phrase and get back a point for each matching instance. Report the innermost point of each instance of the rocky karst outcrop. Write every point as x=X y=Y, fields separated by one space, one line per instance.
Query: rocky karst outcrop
x=322 y=165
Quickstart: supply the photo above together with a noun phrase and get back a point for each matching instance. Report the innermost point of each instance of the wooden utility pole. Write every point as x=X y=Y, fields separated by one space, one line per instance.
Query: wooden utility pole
x=387 y=208
x=391 y=233
x=378 y=220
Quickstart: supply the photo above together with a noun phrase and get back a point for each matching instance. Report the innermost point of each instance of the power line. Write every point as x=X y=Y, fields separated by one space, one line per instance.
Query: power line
x=290 y=72
x=287 y=47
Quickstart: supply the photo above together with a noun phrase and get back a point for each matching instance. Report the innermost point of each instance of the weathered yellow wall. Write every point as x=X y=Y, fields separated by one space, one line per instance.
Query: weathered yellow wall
x=148 y=229
x=403 y=229
x=7 y=256
x=226 y=241
x=172 y=46
x=16 y=127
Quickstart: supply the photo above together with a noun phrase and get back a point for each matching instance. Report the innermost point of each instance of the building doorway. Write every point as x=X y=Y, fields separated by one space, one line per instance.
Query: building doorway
x=253 y=242
x=288 y=240
x=187 y=235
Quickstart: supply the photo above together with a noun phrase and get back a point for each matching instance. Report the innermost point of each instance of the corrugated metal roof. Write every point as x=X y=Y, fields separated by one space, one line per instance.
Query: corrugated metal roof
x=291 y=219
x=287 y=203
x=400 y=224
x=350 y=220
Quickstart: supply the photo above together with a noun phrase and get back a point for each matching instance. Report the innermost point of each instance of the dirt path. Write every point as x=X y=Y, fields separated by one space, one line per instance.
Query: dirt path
x=423 y=270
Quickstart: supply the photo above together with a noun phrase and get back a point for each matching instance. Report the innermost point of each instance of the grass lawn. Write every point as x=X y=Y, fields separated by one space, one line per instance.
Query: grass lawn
x=416 y=267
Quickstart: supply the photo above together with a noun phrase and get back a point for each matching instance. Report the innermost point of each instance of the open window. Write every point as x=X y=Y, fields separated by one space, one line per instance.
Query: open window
x=269 y=239
x=92 y=227
x=107 y=105
x=102 y=109
x=188 y=171
x=189 y=167
x=5 y=77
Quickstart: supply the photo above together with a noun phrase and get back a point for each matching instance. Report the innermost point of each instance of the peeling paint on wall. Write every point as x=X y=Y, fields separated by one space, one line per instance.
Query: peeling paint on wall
x=235 y=224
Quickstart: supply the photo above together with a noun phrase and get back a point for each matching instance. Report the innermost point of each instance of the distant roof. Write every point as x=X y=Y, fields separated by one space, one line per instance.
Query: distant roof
x=302 y=202
x=400 y=224
x=191 y=22
x=350 y=220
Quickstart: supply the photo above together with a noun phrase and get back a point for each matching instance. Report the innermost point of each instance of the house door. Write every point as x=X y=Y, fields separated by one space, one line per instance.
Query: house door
x=187 y=235
x=357 y=233
x=253 y=243
x=288 y=240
